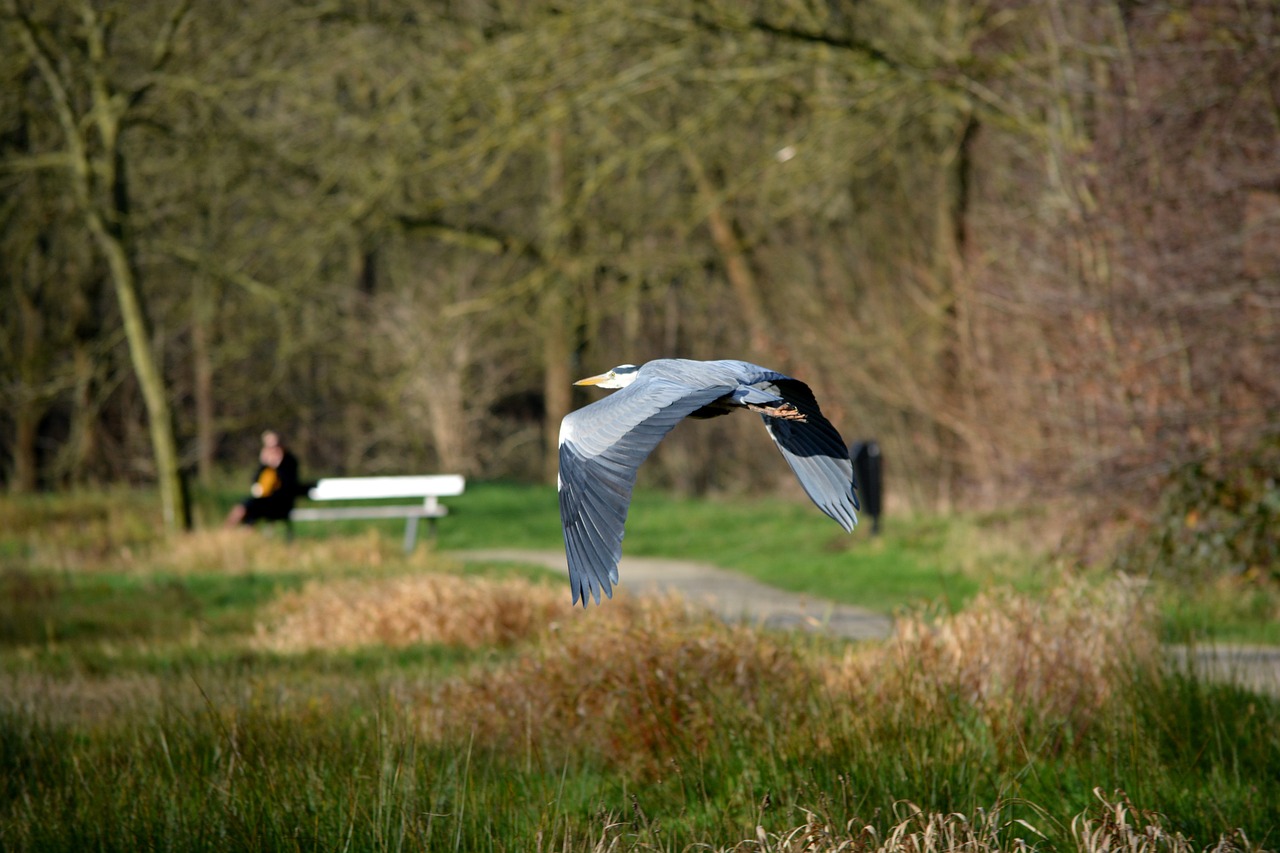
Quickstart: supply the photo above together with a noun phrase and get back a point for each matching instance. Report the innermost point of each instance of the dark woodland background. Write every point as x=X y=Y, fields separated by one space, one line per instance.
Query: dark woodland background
x=1031 y=247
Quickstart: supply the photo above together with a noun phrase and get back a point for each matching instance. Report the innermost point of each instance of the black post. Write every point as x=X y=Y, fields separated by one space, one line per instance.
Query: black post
x=868 y=477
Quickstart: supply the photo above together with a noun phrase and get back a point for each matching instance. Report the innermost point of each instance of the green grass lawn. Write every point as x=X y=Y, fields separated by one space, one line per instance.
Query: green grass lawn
x=939 y=561
x=788 y=544
x=139 y=707
x=917 y=560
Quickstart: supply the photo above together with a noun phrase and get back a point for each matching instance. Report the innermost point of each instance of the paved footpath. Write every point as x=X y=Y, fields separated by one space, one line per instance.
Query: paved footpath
x=729 y=594
x=736 y=597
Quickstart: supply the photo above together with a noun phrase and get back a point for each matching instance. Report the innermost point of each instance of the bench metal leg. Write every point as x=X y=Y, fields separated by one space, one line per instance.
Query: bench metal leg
x=410 y=534
x=270 y=527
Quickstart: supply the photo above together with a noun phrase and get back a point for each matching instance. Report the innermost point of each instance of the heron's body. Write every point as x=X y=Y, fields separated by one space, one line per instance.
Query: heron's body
x=603 y=444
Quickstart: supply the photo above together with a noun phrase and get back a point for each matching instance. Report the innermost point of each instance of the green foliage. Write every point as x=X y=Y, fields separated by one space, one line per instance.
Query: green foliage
x=1215 y=518
x=1212 y=549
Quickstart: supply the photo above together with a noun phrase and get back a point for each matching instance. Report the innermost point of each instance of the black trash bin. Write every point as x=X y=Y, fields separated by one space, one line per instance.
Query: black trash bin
x=868 y=475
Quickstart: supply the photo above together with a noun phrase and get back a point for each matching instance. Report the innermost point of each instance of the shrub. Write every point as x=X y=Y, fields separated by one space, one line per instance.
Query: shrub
x=1015 y=661
x=1215 y=518
x=639 y=683
x=407 y=610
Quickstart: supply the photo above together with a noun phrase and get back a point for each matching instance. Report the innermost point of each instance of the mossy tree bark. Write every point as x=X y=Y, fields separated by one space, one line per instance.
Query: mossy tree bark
x=96 y=165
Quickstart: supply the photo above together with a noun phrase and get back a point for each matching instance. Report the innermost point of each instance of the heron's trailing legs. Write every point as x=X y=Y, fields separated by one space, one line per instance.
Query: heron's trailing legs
x=786 y=411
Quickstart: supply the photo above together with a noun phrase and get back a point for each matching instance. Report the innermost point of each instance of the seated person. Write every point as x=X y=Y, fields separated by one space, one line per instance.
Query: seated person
x=274 y=488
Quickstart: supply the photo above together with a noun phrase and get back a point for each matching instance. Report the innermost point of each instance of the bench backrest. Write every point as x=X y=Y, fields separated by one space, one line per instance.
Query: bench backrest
x=356 y=488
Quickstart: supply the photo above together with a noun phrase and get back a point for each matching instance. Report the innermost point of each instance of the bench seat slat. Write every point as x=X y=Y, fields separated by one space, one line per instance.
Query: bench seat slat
x=357 y=488
x=429 y=487
x=335 y=513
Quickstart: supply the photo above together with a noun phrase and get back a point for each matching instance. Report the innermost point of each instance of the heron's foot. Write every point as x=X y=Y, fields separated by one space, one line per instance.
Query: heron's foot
x=786 y=412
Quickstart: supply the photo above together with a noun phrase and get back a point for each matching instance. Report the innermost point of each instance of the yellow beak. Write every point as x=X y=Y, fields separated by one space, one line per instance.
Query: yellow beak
x=592 y=380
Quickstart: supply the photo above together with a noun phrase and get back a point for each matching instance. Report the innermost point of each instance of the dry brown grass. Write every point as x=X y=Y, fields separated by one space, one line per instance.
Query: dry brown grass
x=96 y=533
x=77 y=531
x=1059 y=657
x=244 y=551
x=633 y=680
x=916 y=831
x=636 y=683
x=79 y=697
x=1115 y=824
x=406 y=610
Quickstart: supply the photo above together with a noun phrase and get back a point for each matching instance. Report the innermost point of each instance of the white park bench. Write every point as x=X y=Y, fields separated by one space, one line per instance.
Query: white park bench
x=429 y=487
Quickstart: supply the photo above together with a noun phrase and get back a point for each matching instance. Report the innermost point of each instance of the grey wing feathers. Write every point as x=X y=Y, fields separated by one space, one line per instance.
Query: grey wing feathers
x=816 y=453
x=602 y=446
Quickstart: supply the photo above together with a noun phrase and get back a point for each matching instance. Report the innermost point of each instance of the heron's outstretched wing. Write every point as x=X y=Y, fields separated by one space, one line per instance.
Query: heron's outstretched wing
x=601 y=447
x=815 y=451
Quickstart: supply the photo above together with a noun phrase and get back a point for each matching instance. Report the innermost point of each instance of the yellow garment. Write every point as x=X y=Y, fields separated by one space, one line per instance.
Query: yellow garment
x=268 y=482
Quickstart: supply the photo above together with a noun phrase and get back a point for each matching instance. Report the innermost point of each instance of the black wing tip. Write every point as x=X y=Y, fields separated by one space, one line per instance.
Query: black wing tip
x=851 y=510
x=850 y=523
x=843 y=515
x=584 y=593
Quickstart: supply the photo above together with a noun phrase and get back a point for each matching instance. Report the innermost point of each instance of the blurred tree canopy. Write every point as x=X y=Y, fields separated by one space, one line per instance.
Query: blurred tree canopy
x=1029 y=246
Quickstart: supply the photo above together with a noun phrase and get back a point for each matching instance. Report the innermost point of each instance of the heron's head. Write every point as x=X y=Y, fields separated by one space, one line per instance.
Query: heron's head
x=620 y=377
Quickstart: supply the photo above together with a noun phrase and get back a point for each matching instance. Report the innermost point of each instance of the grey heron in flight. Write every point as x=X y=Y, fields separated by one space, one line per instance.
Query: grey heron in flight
x=603 y=444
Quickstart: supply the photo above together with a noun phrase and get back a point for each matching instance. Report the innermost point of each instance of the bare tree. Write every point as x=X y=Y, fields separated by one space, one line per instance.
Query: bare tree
x=96 y=168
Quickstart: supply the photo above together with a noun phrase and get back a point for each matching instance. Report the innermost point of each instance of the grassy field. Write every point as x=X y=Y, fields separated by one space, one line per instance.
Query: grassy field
x=784 y=543
x=918 y=560
x=229 y=690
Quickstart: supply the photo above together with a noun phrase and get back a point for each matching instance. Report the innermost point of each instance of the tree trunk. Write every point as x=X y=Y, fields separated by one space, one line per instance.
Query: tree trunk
x=555 y=306
x=159 y=418
x=83 y=441
x=202 y=383
x=764 y=345
x=26 y=418
x=98 y=181
x=557 y=380
x=29 y=408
